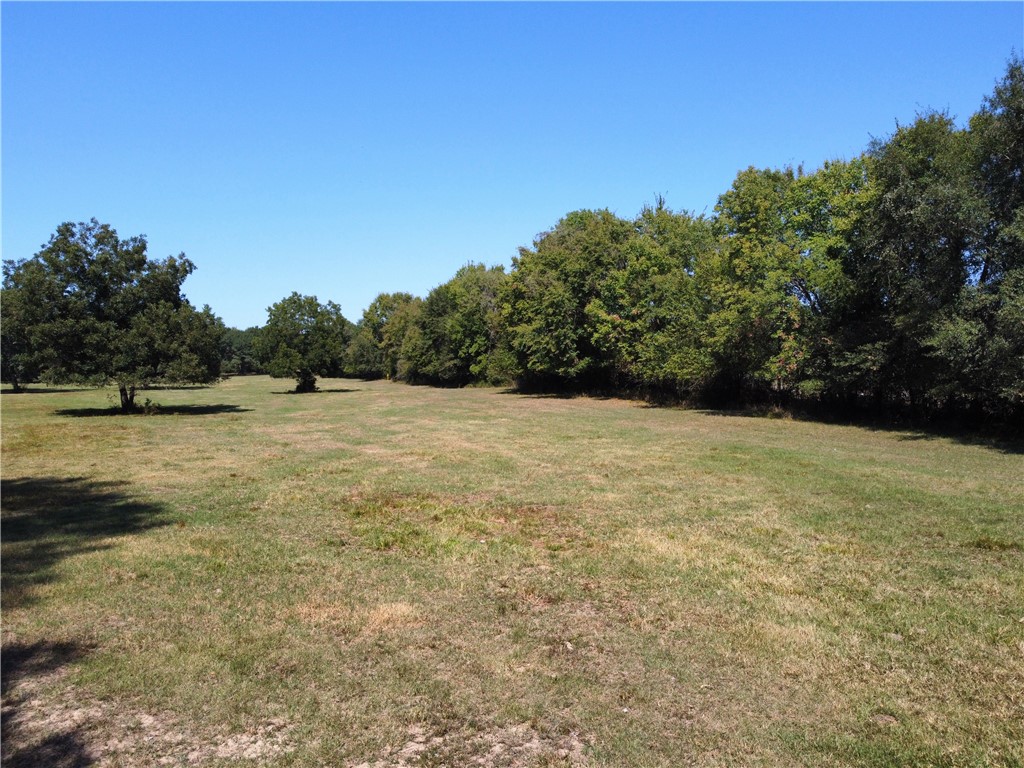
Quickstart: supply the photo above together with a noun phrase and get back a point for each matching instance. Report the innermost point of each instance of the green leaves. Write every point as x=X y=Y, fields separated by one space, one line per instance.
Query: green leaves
x=92 y=308
x=303 y=339
x=458 y=335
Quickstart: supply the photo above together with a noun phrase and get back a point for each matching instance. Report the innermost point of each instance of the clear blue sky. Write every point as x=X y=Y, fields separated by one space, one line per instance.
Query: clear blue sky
x=345 y=149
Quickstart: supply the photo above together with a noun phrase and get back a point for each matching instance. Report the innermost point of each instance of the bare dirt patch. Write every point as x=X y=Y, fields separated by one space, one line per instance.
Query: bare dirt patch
x=48 y=721
x=515 y=746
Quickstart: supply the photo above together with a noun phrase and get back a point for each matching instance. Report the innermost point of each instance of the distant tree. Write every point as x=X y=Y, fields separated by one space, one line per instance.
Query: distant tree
x=544 y=302
x=606 y=302
x=363 y=354
x=402 y=324
x=646 y=319
x=303 y=339
x=239 y=352
x=826 y=215
x=973 y=344
x=92 y=308
x=458 y=338
x=920 y=245
x=753 y=313
x=996 y=132
x=369 y=354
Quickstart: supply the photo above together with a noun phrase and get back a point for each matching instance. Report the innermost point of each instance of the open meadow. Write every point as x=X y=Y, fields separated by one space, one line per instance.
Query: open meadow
x=388 y=576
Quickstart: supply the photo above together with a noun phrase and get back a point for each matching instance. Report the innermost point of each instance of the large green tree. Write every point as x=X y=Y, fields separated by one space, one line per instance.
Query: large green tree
x=544 y=303
x=983 y=341
x=917 y=249
x=824 y=212
x=93 y=308
x=372 y=353
x=997 y=132
x=754 y=312
x=400 y=335
x=457 y=337
x=646 y=318
x=303 y=339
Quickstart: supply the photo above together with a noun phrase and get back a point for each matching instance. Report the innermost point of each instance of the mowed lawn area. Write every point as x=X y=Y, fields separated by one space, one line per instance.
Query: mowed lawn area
x=381 y=575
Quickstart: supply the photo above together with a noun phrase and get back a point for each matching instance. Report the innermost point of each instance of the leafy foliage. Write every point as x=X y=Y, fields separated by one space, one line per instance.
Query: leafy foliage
x=239 y=352
x=891 y=282
x=458 y=334
x=303 y=339
x=554 y=338
x=373 y=352
x=92 y=308
x=19 y=358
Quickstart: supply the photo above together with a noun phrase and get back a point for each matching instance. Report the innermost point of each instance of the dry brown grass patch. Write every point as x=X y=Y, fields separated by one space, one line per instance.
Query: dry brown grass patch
x=392 y=617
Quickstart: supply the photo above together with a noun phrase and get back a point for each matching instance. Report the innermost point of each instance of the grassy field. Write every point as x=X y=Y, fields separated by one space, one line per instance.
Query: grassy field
x=379 y=575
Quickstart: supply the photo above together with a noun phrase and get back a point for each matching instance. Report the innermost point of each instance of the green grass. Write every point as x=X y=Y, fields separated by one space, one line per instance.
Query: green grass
x=394 y=576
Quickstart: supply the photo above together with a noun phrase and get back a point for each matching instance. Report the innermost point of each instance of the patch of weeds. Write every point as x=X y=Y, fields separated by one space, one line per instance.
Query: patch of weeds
x=440 y=526
x=885 y=750
x=396 y=535
x=992 y=544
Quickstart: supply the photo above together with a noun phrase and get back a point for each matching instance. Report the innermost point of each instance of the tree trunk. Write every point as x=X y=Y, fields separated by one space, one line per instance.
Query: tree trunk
x=127 y=398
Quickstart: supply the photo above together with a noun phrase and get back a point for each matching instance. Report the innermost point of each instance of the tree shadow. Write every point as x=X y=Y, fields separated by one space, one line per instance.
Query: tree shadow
x=20 y=662
x=173 y=387
x=317 y=392
x=1003 y=442
x=48 y=519
x=537 y=395
x=1001 y=438
x=23 y=660
x=43 y=390
x=562 y=394
x=61 y=750
x=155 y=410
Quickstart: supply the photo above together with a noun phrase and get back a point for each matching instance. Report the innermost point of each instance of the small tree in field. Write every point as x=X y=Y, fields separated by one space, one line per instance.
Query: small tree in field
x=303 y=339
x=91 y=308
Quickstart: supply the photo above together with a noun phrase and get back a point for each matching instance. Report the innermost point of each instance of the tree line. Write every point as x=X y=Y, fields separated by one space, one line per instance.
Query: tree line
x=892 y=282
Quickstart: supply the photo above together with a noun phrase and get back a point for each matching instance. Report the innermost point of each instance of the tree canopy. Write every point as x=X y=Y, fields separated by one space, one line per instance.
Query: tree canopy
x=93 y=308
x=303 y=339
x=890 y=283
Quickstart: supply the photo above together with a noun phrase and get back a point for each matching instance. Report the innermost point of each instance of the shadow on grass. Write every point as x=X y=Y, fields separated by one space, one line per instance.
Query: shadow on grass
x=49 y=519
x=20 y=663
x=1001 y=438
x=561 y=395
x=156 y=410
x=1003 y=442
x=46 y=390
x=317 y=392
x=174 y=387
x=45 y=521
